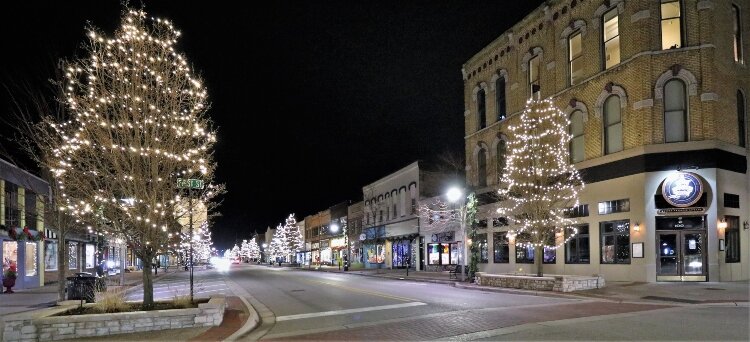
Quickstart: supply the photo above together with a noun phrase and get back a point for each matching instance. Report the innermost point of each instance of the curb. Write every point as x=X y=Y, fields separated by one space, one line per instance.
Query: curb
x=260 y=315
x=422 y=280
x=519 y=291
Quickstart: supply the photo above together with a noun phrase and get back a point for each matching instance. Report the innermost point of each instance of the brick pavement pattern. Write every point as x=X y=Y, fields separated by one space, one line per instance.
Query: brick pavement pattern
x=476 y=321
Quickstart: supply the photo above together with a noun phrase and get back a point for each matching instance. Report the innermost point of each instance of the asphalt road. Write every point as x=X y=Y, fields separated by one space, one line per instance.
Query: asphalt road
x=309 y=305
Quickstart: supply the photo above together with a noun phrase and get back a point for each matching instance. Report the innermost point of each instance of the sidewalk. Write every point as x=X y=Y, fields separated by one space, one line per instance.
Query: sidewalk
x=46 y=296
x=399 y=274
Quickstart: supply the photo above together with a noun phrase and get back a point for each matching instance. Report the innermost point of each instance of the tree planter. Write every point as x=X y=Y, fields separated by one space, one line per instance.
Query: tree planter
x=44 y=325
x=8 y=283
x=556 y=283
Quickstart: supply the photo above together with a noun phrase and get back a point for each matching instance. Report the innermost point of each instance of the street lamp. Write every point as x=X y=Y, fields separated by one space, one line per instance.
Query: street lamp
x=456 y=196
x=264 y=249
x=334 y=228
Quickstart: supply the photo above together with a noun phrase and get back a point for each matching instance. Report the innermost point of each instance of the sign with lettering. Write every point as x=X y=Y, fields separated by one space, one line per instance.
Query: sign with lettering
x=682 y=189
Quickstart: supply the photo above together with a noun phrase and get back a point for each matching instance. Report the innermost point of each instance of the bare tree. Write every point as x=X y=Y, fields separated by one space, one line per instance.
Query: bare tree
x=137 y=124
x=540 y=184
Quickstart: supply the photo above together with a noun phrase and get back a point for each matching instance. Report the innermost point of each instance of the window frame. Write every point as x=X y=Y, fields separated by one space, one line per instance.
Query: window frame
x=577 y=239
x=482 y=167
x=741 y=119
x=614 y=234
x=685 y=114
x=572 y=59
x=534 y=81
x=679 y=18
x=501 y=157
x=574 y=137
x=737 y=35
x=481 y=109
x=501 y=99
x=605 y=114
x=500 y=240
x=481 y=240
x=605 y=41
x=733 y=250
x=12 y=217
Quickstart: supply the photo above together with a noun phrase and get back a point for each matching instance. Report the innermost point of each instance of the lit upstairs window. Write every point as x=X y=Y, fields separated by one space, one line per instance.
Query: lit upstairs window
x=671 y=25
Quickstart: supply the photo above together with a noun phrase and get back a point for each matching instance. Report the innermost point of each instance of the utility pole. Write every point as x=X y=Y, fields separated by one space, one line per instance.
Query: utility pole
x=190 y=205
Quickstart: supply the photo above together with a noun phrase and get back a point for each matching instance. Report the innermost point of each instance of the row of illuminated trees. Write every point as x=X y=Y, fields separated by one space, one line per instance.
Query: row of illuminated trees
x=286 y=241
x=130 y=124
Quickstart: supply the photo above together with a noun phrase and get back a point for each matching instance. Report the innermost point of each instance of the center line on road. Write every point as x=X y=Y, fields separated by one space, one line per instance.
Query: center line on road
x=347 y=311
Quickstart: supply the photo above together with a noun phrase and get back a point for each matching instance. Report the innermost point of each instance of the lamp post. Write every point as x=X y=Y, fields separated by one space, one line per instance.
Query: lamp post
x=456 y=196
x=334 y=229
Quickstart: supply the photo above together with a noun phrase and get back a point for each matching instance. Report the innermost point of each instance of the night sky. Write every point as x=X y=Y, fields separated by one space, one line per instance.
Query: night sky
x=312 y=99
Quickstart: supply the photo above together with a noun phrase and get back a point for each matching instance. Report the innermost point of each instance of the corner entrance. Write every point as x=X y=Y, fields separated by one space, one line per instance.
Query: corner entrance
x=681 y=249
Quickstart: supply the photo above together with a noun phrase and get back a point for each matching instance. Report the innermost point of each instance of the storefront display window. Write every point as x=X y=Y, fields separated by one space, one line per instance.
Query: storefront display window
x=442 y=253
x=401 y=253
x=615 y=237
x=525 y=253
x=73 y=255
x=481 y=241
x=31 y=259
x=501 y=250
x=325 y=255
x=90 y=253
x=376 y=254
x=10 y=254
x=50 y=256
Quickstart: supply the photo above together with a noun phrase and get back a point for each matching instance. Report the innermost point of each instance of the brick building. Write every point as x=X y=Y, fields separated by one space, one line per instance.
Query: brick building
x=656 y=94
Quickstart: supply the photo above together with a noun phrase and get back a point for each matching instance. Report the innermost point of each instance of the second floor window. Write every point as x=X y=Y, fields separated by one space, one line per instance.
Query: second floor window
x=575 y=51
x=482 y=168
x=534 y=65
x=12 y=214
x=501 y=158
x=30 y=209
x=611 y=39
x=576 y=144
x=741 y=119
x=671 y=26
x=612 y=125
x=481 y=110
x=737 y=34
x=675 y=112
x=500 y=98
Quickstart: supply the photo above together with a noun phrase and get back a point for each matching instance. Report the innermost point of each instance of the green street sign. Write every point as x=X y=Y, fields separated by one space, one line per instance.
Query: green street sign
x=189 y=183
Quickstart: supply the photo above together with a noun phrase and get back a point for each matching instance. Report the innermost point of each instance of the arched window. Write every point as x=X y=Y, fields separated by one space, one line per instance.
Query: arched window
x=612 y=125
x=481 y=110
x=482 y=166
x=502 y=149
x=576 y=144
x=741 y=119
x=500 y=98
x=737 y=34
x=675 y=111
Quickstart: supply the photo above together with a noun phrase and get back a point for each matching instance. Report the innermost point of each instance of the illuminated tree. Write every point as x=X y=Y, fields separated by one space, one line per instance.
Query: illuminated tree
x=235 y=252
x=288 y=239
x=254 y=250
x=138 y=123
x=540 y=184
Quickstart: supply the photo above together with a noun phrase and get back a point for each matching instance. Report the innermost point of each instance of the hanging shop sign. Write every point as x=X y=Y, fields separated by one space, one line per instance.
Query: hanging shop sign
x=682 y=189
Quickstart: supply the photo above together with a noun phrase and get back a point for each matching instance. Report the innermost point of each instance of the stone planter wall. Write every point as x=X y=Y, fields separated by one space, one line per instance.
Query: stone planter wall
x=557 y=283
x=42 y=325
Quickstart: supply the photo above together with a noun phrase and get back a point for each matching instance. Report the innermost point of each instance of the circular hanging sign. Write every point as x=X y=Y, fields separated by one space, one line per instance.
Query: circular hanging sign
x=682 y=189
x=362 y=237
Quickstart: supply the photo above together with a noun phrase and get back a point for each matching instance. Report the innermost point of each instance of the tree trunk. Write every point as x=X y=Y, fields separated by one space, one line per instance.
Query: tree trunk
x=539 y=260
x=148 y=282
x=62 y=266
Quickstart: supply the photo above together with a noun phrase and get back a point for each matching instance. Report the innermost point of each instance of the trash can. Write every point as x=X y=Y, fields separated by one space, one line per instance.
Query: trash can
x=81 y=287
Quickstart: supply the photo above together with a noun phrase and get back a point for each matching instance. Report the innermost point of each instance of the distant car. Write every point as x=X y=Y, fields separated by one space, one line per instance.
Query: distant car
x=236 y=260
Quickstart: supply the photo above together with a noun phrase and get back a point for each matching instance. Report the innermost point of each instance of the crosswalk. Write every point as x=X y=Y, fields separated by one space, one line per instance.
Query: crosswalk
x=176 y=288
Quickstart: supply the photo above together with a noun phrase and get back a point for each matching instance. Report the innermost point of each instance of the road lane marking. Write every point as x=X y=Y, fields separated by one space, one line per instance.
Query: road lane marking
x=347 y=311
x=373 y=293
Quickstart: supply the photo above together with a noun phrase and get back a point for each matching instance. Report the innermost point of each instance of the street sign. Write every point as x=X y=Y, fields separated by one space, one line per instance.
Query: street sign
x=189 y=183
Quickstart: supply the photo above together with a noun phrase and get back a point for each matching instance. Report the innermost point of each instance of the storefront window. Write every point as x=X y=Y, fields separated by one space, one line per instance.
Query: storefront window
x=73 y=255
x=90 y=253
x=501 y=250
x=375 y=254
x=10 y=254
x=525 y=253
x=615 y=237
x=401 y=253
x=442 y=253
x=481 y=241
x=50 y=256
x=31 y=259
x=577 y=247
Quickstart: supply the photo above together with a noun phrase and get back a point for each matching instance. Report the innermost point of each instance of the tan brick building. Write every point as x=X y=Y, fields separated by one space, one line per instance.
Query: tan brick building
x=656 y=94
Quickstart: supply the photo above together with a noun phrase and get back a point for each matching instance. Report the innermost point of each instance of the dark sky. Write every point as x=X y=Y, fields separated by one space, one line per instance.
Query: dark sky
x=312 y=99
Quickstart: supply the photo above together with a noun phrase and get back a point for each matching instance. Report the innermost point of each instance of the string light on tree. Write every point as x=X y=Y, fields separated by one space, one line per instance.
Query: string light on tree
x=539 y=185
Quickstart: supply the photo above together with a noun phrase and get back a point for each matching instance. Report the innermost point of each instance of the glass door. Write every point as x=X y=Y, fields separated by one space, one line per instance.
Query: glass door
x=669 y=247
x=693 y=256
